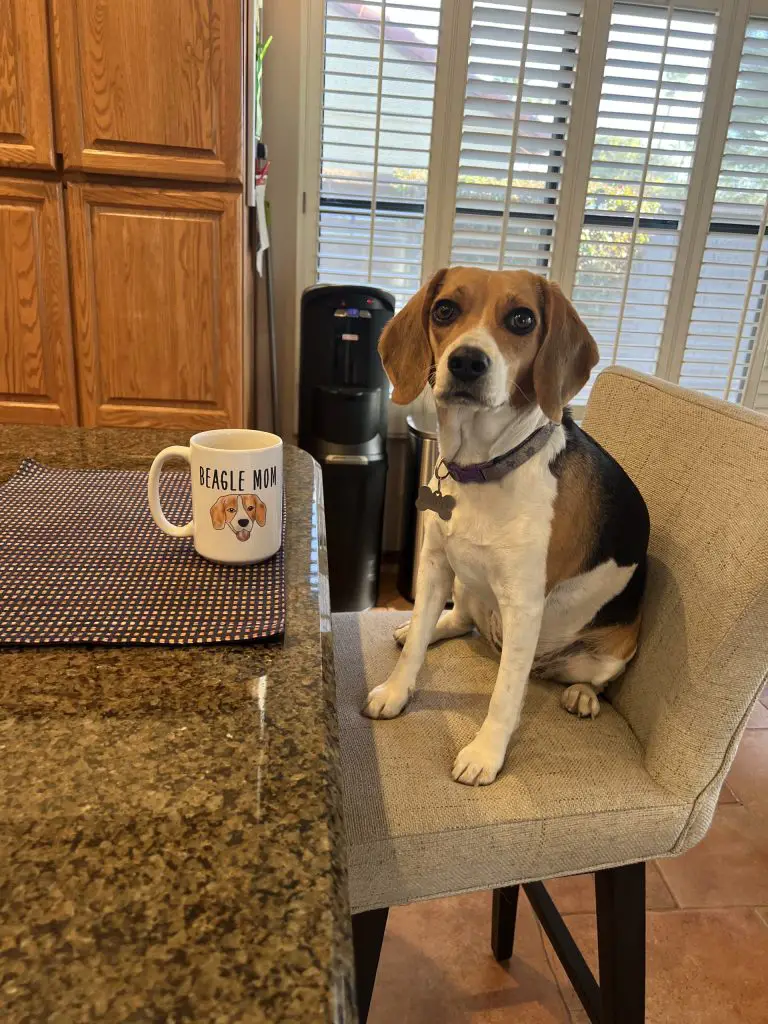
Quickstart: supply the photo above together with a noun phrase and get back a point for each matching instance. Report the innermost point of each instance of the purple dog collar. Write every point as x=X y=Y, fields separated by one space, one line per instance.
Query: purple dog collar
x=485 y=472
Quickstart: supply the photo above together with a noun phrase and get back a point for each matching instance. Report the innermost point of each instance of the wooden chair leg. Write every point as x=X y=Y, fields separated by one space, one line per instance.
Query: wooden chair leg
x=620 y=898
x=367 y=938
x=504 y=916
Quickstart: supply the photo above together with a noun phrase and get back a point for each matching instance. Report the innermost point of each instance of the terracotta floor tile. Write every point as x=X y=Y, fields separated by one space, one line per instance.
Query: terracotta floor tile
x=704 y=966
x=748 y=777
x=727 y=795
x=728 y=868
x=759 y=717
x=576 y=893
x=436 y=968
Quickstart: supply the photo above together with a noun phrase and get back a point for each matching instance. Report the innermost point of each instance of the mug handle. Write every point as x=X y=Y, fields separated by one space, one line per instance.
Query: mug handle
x=153 y=492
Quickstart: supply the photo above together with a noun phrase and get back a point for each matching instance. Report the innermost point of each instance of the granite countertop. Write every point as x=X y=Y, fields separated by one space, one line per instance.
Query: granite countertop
x=171 y=846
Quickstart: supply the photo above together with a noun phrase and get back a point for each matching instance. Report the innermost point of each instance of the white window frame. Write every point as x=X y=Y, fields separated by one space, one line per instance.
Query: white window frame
x=453 y=43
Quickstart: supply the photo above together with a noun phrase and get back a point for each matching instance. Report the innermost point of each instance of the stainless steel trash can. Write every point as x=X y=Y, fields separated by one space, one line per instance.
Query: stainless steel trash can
x=422 y=456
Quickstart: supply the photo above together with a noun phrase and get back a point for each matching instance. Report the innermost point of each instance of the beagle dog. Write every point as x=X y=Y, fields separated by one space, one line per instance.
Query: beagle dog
x=541 y=536
x=239 y=512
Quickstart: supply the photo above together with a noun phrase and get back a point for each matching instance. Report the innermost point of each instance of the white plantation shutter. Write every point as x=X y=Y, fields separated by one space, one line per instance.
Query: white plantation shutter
x=649 y=119
x=380 y=61
x=734 y=271
x=657 y=221
x=517 y=108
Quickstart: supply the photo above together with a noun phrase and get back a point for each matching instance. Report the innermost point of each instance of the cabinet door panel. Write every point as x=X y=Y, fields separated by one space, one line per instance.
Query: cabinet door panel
x=26 y=124
x=151 y=87
x=158 y=297
x=37 y=379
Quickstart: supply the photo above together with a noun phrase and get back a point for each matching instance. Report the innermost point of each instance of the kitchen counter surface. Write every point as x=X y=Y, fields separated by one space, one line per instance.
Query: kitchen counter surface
x=170 y=836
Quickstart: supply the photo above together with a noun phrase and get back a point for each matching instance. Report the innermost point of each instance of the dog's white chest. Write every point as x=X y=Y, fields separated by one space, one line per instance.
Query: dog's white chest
x=469 y=561
x=498 y=529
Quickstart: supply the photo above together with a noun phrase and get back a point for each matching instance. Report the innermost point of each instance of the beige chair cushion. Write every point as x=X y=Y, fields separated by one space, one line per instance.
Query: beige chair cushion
x=572 y=796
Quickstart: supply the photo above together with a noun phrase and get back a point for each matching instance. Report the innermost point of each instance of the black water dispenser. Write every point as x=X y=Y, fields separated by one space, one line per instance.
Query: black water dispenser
x=343 y=399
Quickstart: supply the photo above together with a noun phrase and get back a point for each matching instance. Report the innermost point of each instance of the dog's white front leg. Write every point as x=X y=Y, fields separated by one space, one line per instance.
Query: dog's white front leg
x=479 y=762
x=433 y=588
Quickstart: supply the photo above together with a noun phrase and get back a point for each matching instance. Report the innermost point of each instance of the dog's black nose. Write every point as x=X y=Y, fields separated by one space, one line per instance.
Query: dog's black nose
x=467 y=364
x=242 y=522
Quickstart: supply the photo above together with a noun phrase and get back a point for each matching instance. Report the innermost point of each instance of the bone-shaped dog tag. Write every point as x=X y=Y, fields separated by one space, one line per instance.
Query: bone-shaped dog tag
x=432 y=501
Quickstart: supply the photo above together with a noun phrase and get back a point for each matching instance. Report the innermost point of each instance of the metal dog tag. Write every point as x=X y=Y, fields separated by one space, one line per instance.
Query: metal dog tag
x=433 y=501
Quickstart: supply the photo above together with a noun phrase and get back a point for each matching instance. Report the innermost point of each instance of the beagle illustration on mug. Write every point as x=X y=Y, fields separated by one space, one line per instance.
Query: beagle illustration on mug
x=239 y=512
x=237 y=494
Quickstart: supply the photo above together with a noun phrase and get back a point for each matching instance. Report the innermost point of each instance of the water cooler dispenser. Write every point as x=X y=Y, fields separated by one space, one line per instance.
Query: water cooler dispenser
x=343 y=398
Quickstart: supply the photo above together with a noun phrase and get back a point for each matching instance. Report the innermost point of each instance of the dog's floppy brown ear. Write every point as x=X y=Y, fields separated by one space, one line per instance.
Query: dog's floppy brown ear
x=218 y=515
x=566 y=356
x=404 y=344
x=259 y=514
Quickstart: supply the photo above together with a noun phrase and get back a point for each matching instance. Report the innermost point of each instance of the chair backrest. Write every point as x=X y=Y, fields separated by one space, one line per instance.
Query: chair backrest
x=702 y=467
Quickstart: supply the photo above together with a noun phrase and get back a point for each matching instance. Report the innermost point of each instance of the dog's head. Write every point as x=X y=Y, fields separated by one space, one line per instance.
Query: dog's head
x=239 y=512
x=488 y=338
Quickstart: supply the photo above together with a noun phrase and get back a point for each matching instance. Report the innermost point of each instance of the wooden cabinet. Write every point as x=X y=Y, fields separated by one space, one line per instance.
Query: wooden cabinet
x=156 y=282
x=150 y=87
x=129 y=311
x=37 y=377
x=26 y=121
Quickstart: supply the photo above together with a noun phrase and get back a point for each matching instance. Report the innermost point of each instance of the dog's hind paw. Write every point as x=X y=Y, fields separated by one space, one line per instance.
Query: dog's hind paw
x=402 y=632
x=580 y=699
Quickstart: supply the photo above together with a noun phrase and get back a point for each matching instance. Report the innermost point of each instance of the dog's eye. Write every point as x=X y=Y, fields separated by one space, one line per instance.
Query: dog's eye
x=231 y=508
x=520 y=321
x=445 y=312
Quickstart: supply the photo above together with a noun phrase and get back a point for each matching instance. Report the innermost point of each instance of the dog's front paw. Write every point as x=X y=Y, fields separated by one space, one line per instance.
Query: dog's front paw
x=402 y=632
x=478 y=763
x=386 y=701
x=580 y=699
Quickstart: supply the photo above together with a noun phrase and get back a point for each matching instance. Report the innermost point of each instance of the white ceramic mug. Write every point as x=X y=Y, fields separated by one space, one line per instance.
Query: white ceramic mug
x=237 y=494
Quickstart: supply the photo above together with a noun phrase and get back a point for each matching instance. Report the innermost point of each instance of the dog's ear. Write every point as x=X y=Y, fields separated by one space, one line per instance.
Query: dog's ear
x=218 y=515
x=566 y=355
x=404 y=344
x=259 y=514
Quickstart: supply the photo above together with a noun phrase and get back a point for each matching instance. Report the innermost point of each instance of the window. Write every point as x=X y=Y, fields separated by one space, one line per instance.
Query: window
x=648 y=127
x=582 y=139
x=378 y=99
x=514 y=132
x=734 y=270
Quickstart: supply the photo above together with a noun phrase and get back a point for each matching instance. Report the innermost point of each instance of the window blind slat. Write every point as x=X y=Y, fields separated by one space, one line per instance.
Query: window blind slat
x=493 y=16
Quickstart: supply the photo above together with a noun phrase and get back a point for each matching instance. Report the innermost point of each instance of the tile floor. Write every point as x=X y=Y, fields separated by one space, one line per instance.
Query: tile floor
x=707 y=928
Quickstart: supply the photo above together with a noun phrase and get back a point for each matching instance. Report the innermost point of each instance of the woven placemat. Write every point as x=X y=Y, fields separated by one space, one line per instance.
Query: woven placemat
x=81 y=561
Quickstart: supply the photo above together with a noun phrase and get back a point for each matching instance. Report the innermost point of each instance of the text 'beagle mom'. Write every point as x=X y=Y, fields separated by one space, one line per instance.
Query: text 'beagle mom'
x=238 y=479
